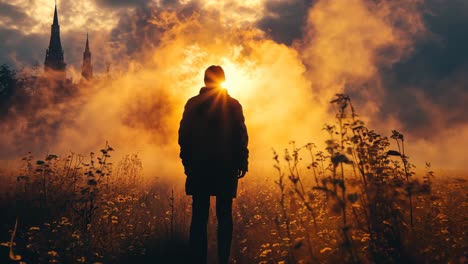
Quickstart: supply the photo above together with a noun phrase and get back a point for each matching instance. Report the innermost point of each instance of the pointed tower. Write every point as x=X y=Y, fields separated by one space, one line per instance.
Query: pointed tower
x=54 y=61
x=87 y=68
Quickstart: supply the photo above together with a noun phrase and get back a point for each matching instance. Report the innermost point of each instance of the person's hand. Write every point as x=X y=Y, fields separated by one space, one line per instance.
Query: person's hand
x=241 y=173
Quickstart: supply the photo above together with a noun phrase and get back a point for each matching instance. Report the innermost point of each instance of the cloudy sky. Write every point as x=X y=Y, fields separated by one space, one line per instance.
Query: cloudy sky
x=405 y=63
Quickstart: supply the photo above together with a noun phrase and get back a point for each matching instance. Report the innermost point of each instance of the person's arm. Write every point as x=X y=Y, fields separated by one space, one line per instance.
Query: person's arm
x=244 y=141
x=184 y=137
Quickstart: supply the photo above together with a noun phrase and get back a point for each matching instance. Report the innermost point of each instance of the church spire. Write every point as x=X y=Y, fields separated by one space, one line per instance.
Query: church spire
x=54 y=60
x=87 y=68
x=87 y=42
x=55 y=16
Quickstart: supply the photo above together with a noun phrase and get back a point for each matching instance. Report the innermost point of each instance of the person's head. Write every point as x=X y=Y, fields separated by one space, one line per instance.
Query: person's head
x=214 y=76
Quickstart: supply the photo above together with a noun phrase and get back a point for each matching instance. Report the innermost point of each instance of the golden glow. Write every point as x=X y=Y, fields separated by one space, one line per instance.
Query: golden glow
x=239 y=81
x=86 y=15
x=284 y=90
x=73 y=16
x=235 y=13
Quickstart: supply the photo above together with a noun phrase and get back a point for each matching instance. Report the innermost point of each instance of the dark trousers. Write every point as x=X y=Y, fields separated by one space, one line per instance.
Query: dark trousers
x=198 y=227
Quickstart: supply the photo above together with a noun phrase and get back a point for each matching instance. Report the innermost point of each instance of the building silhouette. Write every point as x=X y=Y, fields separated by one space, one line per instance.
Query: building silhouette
x=54 y=64
x=54 y=61
x=87 y=68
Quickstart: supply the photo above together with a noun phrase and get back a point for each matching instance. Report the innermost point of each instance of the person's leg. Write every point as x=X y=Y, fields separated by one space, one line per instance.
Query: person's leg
x=224 y=215
x=198 y=227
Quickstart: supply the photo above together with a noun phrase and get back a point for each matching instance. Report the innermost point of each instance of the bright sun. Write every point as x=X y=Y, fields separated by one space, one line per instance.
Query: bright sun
x=238 y=79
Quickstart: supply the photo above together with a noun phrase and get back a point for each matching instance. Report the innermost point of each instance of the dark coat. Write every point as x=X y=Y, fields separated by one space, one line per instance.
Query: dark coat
x=213 y=143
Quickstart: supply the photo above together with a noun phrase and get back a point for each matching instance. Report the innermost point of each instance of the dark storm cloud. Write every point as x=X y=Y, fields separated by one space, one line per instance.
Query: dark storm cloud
x=284 y=20
x=136 y=33
x=133 y=32
x=429 y=90
x=18 y=48
x=136 y=3
x=13 y=15
x=122 y=3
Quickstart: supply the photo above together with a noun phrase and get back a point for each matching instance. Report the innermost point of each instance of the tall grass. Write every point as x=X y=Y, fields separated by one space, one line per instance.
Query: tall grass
x=369 y=186
x=86 y=209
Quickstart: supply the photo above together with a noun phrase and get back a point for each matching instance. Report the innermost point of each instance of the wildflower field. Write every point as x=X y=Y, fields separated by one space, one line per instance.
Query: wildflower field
x=358 y=200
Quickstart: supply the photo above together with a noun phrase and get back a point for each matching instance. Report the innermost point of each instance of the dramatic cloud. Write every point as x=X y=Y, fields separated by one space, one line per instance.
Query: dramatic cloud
x=428 y=90
x=285 y=20
x=142 y=29
x=345 y=44
x=404 y=63
x=25 y=27
x=18 y=49
x=122 y=3
x=139 y=109
x=13 y=16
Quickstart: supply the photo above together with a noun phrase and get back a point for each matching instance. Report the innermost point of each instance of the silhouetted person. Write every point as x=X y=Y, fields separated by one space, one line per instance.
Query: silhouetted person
x=213 y=148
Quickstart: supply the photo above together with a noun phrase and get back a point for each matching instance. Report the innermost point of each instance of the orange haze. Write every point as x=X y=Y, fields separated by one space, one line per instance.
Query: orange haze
x=285 y=90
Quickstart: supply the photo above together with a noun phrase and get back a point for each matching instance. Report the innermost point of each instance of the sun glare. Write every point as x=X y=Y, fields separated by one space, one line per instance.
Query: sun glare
x=238 y=79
